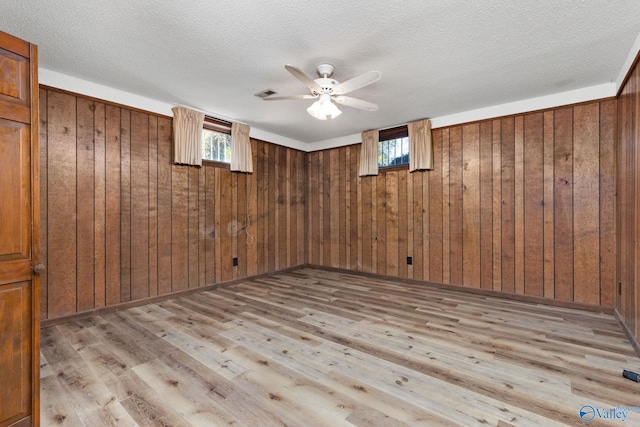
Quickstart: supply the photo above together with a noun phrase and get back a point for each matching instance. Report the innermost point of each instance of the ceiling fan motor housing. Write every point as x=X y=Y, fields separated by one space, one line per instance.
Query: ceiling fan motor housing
x=328 y=90
x=325 y=70
x=326 y=85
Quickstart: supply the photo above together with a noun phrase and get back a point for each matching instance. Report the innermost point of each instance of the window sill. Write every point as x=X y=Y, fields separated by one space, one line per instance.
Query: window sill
x=215 y=164
x=392 y=168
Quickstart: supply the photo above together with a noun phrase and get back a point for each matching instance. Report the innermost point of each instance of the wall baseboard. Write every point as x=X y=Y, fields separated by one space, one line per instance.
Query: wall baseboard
x=630 y=336
x=45 y=323
x=477 y=291
x=486 y=292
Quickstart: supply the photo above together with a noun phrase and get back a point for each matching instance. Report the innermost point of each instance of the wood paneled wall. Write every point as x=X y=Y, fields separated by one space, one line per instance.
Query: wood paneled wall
x=522 y=205
x=121 y=223
x=628 y=203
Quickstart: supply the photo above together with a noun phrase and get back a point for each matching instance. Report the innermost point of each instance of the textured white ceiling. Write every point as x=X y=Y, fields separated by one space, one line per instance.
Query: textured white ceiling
x=436 y=57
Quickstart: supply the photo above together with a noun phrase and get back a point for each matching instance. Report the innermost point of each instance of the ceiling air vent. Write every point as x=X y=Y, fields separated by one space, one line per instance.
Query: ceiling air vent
x=265 y=93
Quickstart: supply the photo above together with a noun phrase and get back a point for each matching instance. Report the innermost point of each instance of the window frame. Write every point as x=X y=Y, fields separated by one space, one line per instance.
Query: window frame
x=387 y=135
x=221 y=126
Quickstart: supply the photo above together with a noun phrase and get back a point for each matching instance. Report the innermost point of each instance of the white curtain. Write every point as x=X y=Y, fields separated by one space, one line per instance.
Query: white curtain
x=420 y=146
x=369 y=153
x=187 y=136
x=241 y=160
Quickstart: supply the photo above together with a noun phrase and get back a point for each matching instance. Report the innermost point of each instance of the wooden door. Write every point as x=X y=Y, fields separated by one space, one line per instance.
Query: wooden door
x=19 y=312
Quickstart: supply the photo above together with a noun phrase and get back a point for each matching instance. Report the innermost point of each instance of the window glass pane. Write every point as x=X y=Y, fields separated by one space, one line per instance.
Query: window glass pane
x=393 y=152
x=216 y=146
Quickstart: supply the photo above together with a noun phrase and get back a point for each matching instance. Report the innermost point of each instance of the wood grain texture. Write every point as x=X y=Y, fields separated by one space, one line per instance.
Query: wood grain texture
x=303 y=208
x=486 y=205
x=497 y=204
x=283 y=198
x=391 y=224
x=146 y=227
x=426 y=219
x=519 y=213
x=627 y=297
x=342 y=258
x=201 y=236
x=625 y=224
x=61 y=207
x=607 y=203
x=140 y=212
x=233 y=225
x=241 y=218
x=112 y=206
x=16 y=351
x=20 y=236
x=210 y=225
x=446 y=225
x=100 y=204
x=85 y=202
x=272 y=204
x=218 y=232
x=164 y=205
x=461 y=215
x=193 y=225
x=125 y=205
x=586 y=220
x=339 y=349
x=563 y=203
x=314 y=211
x=261 y=206
x=325 y=207
x=456 y=203
x=365 y=209
x=404 y=234
x=407 y=211
x=15 y=86
x=420 y=204
x=334 y=207
x=533 y=195
x=44 y=228
x=375 y=200
x=549 y=244
x=252 y=217
x=180 y=228
x=507 y=217
x=471 y=208
x=291 y=210
x=380 y=247
x=432 y=233
x=496 y=212
x=152 y=167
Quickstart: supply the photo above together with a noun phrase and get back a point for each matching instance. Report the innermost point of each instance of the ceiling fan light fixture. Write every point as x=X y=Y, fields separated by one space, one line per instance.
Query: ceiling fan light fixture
x=330 y=92
x=323 y=108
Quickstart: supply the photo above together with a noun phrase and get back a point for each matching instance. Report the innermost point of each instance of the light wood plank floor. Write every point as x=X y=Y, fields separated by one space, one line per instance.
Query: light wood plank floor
x=318 y=348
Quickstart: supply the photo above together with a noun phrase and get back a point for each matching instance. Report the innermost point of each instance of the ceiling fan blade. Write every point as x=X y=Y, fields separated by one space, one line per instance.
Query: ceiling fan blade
x=305 y=79
x=355 y=103
x=282 y=98
x=357 y=82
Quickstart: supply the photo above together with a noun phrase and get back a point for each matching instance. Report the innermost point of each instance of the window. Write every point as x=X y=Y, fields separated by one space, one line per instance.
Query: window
x=393 y=148
x=216 y=146
x=216 y=141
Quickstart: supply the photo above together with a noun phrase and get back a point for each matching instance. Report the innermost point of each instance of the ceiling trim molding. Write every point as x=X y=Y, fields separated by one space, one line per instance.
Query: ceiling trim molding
x=273 y=138
x=577 y=96
x=94 y=90
x=628 y=63
x=605 y=90
x=73 y=84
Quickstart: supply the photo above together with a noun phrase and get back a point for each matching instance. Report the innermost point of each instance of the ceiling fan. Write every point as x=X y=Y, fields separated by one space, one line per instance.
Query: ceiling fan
x=326 y=89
